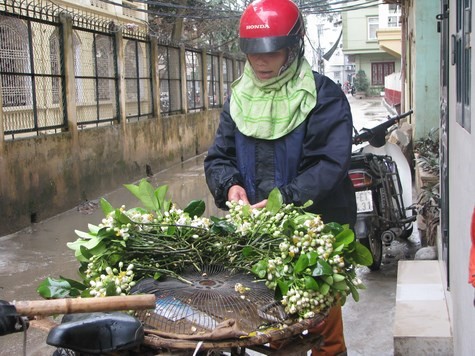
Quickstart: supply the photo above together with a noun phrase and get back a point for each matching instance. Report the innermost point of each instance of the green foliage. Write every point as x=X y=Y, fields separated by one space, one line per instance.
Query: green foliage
x=361 y=82
x=427 y=149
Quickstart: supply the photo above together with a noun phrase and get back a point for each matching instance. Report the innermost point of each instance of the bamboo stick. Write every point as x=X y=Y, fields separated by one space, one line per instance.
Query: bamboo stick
x=84 y=305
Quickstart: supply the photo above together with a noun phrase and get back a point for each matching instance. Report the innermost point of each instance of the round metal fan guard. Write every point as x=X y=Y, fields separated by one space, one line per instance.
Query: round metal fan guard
x=202 y=300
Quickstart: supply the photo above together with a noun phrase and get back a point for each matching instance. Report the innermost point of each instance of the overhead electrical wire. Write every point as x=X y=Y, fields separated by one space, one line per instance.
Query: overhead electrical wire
x=307 y=8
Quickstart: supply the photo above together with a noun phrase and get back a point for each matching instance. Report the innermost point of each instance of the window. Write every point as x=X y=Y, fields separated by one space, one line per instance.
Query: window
x=394 y=8
x=170 y=79
x=462 y=59
x=14 y=63
x=194 y=79
x=394 y=16
x=55 y=63
x=213 y=80
x=104 y=67
x=137 y=79
x=373 y=25
x=393 y=21
x=379 y=71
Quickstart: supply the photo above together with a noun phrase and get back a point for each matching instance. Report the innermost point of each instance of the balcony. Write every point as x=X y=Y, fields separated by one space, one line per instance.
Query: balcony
x=389 y=40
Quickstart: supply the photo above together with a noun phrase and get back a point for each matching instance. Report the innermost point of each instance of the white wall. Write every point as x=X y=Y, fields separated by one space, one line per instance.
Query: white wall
x=462 y=203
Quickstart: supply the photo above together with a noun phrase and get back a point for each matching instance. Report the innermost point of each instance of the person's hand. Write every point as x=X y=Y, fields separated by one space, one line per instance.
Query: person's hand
x=236 y=193
x=261 y=204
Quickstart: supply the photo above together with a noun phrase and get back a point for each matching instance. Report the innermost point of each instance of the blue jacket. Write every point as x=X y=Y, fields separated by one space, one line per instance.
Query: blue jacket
x=310 y=163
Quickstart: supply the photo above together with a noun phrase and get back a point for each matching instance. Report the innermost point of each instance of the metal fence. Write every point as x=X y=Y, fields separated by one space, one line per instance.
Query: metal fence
x=111 y=72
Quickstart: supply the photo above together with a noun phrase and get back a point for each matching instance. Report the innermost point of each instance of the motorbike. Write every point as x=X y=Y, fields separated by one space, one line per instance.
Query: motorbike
x=382 y=179
x=92 y=326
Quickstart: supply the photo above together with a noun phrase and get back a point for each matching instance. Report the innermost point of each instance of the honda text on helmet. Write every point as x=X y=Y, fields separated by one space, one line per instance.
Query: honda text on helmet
x=270 y=25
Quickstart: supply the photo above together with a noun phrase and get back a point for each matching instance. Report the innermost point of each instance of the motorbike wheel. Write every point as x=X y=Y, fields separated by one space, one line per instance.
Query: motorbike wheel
x=375 y=245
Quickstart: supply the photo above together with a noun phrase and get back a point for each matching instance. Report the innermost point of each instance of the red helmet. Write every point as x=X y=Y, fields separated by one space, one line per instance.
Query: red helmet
x=270 y=25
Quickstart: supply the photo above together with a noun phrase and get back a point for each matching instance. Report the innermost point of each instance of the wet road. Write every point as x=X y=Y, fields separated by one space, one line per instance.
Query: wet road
x=29 y=256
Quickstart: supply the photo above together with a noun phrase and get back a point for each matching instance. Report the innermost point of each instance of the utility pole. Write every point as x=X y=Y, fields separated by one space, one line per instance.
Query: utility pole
x=321 y=67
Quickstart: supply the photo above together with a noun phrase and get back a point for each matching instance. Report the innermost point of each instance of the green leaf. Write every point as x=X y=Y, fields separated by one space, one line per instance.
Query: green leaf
x=84 y=235
x=340 y=285
x=93 y=229
x=111 y=289
x=246 y=211
x=345 y=237
x=301 y=264
x=354 y=292
x=221 y=226
x=324 y=288
x=144 y=193
x=311 y=283
x=338 y=277
x=106 y=207
x=283 y=286
x=114 y=259
x=85 y=252
x=160 y=195
x=73 y=283
x=322 y=268
x=333 y=228
x=54 y=288
x=275 y=201
x=362 y=255
x=195 y=208
x=328 y=279
x=307 y=204
x=312 y=258
x=260 y=269
x=122 y=218
x=337 y=249
x=89 y=244
x=248 y=251
x=342 y=299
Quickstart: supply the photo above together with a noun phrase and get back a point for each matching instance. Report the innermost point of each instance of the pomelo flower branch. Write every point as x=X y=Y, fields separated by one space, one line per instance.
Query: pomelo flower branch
x=308 y=263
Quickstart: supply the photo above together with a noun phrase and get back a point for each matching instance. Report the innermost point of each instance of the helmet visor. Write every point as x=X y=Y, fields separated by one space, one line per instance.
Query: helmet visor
x=267 y=44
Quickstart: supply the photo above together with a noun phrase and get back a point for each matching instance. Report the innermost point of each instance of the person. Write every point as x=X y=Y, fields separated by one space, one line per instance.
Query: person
x=284 y=126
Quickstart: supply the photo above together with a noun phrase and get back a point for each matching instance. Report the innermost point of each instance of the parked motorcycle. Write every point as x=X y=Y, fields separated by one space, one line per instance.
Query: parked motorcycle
x=382 y=180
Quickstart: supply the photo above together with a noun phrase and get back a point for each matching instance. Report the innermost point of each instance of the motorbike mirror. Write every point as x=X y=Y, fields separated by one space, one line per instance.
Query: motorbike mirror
x=378 y=140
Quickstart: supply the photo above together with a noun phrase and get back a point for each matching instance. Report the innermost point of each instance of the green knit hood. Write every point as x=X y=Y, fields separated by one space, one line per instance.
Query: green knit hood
x=270 y=109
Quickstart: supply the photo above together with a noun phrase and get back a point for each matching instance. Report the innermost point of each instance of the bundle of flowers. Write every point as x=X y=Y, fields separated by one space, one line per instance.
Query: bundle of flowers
x=309 y=264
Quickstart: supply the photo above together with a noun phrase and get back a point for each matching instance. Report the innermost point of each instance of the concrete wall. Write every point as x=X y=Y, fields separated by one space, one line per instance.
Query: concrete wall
x=46 y=175
x=423 y=41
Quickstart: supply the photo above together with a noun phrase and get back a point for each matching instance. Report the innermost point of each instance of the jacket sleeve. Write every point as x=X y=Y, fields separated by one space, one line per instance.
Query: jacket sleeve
x=326 y=150
x=220 y=164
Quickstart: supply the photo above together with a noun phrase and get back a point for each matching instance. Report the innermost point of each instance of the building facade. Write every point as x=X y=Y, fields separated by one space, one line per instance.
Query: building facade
x=362 y=33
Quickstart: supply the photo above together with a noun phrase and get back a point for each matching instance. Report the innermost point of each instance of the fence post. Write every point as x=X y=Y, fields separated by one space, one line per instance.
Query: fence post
x=221 y=79
x=69 y=101
x=204 y=60
x=2 y=128
x=184 y=91
x=119 y=47
x=155 y=78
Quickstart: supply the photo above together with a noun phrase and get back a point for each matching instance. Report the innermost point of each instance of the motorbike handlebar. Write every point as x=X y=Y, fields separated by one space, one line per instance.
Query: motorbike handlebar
x=367 y=134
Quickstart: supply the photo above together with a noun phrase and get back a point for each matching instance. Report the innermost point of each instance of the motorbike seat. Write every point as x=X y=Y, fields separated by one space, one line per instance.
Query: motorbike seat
x=96 y=333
